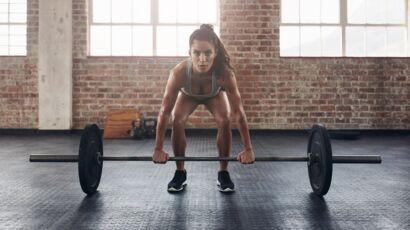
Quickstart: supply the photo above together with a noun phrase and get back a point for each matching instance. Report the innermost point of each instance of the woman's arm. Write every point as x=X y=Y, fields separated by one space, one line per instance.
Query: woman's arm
x=168 y=102
x=231 y=88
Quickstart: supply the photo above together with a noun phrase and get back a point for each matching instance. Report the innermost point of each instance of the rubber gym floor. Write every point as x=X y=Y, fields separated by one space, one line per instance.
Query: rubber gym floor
x=269 y=195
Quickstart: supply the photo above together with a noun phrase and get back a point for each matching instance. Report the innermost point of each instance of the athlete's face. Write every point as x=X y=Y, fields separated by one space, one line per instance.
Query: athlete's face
x=202 y=54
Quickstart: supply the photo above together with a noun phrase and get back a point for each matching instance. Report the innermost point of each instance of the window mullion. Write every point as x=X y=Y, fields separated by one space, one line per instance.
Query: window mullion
x=111 y=28
x=300 y=32
x=320 y=28
x=176 y=28
x=132 y=28
x=343 y=24
x=154 y=21
x=9 y=35
x=408 y=27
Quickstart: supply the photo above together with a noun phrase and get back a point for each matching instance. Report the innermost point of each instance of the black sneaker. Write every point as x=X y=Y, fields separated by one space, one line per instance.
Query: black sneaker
x=224 y=182
x=177 y=183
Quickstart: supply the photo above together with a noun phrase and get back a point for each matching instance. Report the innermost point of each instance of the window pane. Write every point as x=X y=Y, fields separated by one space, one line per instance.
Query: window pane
x=376 y=41
x=330 y=11
x=290 y=11
x=310 y=41
x=331 y=41
x=142 y=41
x=207 y=10
x=183 y=39
x=101 y=10
x=18 y=30
x=17 y=40
x=216 y=30
x=187 y=11
x=376 y=11
x=4 y=40
x=142 y=11
x=4 y=8
x=167 y=11
x=4 y=29
x=18 y=8
x=355 y=11
x=289 y=41
x=310 y=11
x=396 y=12
x=100 y=39
x=355 y=41
x=4 y=17
x=17 y=50
x=396 y=41
x=18 y=18
x=166 y=41
x=4 y=50
x=121 y=10
x=121 y=41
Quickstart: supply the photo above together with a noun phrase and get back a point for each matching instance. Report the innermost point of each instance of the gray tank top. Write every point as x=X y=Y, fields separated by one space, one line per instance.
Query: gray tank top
x=187 y=89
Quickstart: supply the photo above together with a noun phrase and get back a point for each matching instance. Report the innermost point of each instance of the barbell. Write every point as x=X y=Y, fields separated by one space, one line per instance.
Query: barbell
x=319 y=159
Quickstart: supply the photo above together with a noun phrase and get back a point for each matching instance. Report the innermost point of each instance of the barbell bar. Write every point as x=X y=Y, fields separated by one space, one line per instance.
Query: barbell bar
x=347 y=159
x=319 y=159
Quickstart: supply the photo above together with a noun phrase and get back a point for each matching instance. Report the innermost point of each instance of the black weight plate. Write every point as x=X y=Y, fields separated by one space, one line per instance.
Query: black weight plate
x=320 y=170
x=89 y=161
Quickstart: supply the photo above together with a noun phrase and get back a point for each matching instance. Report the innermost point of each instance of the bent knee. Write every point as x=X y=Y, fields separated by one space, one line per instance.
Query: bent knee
x=223 y=122
x=178 y=121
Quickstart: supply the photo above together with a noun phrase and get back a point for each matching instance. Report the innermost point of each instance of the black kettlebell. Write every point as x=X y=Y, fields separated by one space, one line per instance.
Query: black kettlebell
x=138 y=129
x=150 y=125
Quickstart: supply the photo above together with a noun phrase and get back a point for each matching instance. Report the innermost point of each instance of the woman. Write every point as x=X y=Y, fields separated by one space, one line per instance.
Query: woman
x=207 y=78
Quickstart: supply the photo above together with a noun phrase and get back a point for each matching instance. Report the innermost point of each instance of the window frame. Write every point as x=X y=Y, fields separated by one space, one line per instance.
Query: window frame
x=343 y=23
x=8 y=24
x=154 y=22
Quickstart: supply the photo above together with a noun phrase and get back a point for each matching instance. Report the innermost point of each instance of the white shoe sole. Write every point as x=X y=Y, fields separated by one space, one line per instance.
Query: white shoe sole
x=227 y=190
x=172 y=189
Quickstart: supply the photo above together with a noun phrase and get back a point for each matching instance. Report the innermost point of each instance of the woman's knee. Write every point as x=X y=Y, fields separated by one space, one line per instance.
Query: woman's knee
x=223 y=122
x=178 y=121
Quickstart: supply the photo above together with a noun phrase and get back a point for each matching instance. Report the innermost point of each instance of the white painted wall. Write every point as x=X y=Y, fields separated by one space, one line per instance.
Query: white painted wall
x=55 y=64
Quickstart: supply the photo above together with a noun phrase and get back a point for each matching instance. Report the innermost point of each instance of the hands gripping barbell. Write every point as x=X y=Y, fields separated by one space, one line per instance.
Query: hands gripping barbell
x=319 y=159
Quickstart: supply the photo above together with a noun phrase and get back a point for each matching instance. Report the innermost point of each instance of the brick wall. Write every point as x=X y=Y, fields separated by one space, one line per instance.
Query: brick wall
x=278 y=93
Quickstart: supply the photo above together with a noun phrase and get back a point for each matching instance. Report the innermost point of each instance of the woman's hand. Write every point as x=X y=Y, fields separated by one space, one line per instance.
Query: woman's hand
x=159 y=156
x=246 y=157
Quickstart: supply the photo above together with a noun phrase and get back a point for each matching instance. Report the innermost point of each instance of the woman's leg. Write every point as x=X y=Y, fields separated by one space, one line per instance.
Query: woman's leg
x=184 y=106
x=220 y=108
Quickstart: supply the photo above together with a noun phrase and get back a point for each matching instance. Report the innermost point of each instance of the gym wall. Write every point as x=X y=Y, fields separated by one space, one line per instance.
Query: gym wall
x=278 y=93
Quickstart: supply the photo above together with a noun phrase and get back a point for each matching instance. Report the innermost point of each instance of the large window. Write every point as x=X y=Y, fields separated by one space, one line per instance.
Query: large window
x=147 y=27
x=355 y=28
x=13 y=24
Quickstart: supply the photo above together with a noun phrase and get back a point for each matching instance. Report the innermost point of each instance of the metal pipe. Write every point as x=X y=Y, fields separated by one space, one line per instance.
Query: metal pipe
x=147 y=158
x=369 y=159
x=53 y=158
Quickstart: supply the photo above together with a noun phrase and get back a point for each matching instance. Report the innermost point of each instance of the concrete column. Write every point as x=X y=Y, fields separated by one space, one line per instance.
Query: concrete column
x=55 y=60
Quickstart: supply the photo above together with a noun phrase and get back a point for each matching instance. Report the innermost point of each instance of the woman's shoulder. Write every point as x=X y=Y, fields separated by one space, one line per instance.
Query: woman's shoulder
x=226 y=74
x=179 y=69
x=178 y=74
